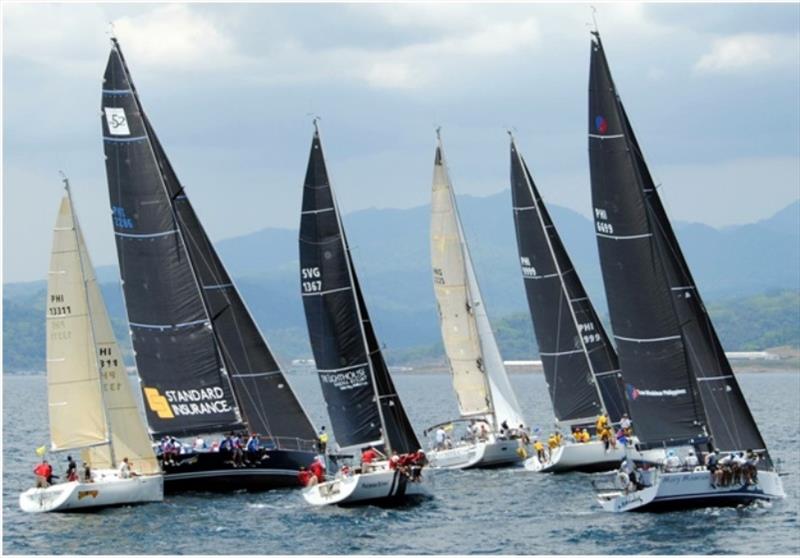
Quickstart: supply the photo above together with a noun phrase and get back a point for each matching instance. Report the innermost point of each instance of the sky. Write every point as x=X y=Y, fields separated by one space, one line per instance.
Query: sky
x=712 y=90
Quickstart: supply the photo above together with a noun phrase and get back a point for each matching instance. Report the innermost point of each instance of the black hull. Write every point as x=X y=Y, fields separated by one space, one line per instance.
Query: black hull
x=215 y=472
x=720 y=501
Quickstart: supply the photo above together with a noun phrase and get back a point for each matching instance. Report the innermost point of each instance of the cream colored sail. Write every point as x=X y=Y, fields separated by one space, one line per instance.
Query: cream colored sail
x=129 y=438
x=77 y=418
x=459 y=331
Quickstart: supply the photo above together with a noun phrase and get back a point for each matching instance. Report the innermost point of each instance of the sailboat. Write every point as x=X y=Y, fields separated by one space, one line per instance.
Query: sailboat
x=580 y=365
x=485 y=398
x=204 y=366
x=364 y=407
x=91 y=405
x=682 y=393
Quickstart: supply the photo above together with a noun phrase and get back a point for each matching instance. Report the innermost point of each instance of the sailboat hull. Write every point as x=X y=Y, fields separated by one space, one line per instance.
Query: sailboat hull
x=589 y=457
x=108 y=490
x=216 y=472
x=691 y=489
x=385 y=487
x=497 y=453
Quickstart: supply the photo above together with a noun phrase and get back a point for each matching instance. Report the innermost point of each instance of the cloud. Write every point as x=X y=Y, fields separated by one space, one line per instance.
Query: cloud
x=176 y=36
x=748 y=51
x=70 y=39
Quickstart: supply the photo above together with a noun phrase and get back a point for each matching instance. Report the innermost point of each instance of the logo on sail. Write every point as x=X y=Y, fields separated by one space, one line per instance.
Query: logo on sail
x=345 y=380
x=633 y=393
x=117 y=121
x=601 y=124
x=158 y=403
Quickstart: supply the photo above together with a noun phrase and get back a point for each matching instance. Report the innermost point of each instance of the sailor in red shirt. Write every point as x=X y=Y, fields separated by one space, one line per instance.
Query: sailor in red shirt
x=317 y=469
x=367 y=457
x=305 y=477
x=44 y=474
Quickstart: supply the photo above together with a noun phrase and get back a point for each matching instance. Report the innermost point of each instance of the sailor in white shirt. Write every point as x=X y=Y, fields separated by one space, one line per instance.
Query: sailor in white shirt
x=691 y=461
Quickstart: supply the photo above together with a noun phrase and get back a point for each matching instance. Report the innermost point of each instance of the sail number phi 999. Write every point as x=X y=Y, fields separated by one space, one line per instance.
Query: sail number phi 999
x=311 y=279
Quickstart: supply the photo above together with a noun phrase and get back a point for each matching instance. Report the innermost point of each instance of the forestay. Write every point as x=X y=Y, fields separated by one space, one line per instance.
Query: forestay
x=679 y=382
x=580 y=364
x=361 y=399
x=479 y=375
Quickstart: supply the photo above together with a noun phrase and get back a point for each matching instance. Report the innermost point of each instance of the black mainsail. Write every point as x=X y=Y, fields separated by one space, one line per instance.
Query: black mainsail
x=193 y=336
x=362 y=401
x=580 y=364
x=679 y=383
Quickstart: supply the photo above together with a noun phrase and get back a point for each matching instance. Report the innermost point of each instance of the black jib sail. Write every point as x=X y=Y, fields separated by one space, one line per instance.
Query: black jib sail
x=233 y=350
x=580 y=365
x=679 y=383
x=363 y=404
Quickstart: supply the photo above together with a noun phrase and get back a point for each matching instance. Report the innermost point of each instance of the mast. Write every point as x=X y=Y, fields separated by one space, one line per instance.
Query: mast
x=536 y=266
x=92 y=335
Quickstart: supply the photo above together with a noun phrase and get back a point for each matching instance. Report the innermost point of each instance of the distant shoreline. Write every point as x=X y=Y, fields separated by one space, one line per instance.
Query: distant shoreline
x=743 y=368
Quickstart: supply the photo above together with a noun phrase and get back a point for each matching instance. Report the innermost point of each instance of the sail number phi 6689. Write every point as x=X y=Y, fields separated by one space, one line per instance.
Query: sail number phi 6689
x=601 y=221
x=311 y=279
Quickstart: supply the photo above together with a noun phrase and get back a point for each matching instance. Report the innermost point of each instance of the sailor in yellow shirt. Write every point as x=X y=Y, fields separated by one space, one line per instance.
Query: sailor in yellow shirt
x=604 y=431
x=539 y=447
x=585 y=436
x=322 y=440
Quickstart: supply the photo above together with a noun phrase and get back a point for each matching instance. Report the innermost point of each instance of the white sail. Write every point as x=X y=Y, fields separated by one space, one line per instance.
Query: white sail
x=77 y=418
x=129 y=438
x=459 y=330
x=471 y=348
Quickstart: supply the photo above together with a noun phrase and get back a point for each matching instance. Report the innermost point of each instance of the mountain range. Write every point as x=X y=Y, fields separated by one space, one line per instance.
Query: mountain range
x=391 y=255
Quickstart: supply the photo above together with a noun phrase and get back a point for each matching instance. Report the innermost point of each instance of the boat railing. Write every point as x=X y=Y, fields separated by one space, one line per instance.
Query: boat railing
x=291 y=443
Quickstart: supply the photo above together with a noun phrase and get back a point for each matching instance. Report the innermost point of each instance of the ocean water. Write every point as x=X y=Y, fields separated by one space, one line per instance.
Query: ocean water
x=501 y=511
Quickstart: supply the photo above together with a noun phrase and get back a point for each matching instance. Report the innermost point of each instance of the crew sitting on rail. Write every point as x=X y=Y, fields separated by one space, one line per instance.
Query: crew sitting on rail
x=672 y=462
x=625 y=425
x=416 y=463
x=691 y=461
x=253 y=449
x=367 y=457
x=751 y=467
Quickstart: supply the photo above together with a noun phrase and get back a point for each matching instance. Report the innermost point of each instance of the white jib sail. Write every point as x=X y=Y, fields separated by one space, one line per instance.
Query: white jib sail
x=77 y=418
x=129 y=437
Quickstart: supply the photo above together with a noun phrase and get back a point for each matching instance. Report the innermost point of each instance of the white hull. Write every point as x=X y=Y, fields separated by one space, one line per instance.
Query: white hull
x=481 y=454
x=385 y=486
x=588 y=457
x=690 y=489
x=107 y=490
